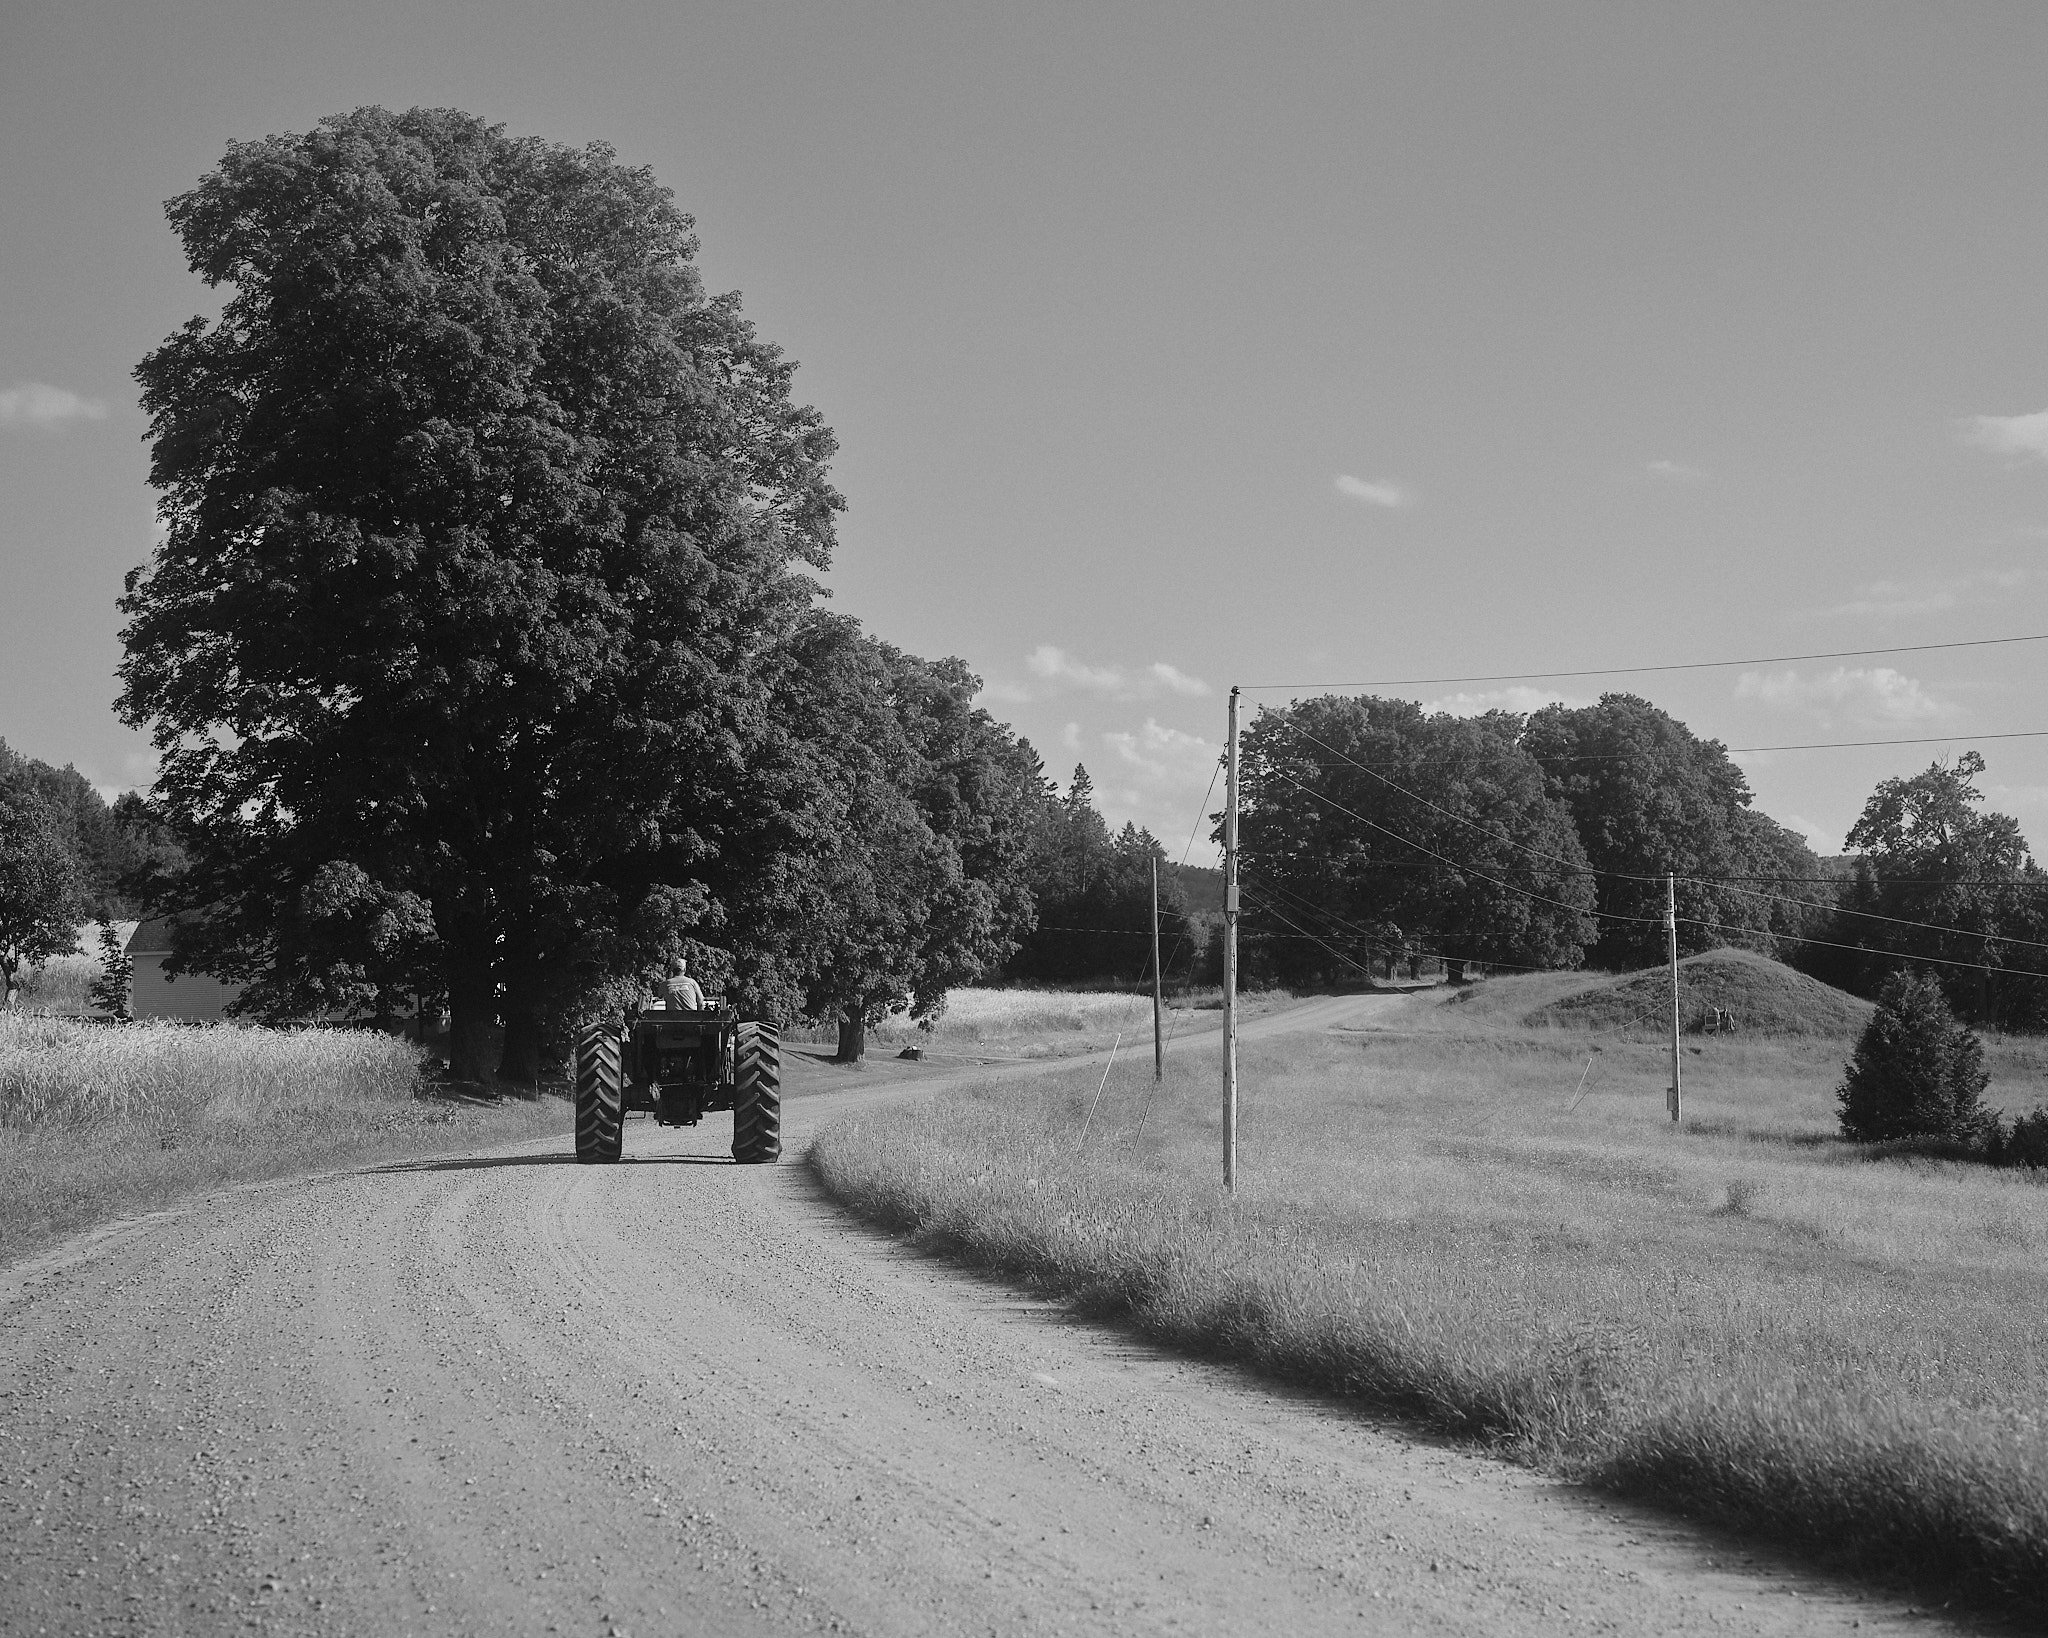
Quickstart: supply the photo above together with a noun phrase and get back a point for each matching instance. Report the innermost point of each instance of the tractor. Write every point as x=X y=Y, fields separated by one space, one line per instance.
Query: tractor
x=678 y=1063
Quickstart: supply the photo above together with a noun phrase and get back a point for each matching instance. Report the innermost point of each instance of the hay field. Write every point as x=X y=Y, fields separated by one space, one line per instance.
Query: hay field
x=1040 y=1023
x=99 y=1120
x=1496 y=1231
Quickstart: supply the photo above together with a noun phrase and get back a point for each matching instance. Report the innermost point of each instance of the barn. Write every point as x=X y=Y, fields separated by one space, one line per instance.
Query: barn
x=193 y=998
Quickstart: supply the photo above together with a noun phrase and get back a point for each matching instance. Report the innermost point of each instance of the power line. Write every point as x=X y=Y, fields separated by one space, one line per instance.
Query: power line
x=1459 y=758
x=1568 y=866
x=1303 y=906
x=1629 y=876
x=1466 y=869
x=1634 y=670
x=1695 y=921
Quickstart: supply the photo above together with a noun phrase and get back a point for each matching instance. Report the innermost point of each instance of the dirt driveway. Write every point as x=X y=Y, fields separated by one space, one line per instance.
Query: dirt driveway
x=509 y=1394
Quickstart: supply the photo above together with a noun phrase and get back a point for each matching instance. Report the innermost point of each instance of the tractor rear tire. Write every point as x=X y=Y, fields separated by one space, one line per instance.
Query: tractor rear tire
x=757 y=1096
x=600 y=1096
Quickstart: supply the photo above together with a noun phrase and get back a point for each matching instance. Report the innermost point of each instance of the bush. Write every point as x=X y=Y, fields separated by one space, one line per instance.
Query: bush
x=2023 y=1143
x=1917 y=1072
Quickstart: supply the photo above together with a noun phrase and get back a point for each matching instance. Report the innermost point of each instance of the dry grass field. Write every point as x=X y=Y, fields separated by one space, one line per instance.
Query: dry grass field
x=97 y=1121
x=1038 y=1023
x=1490 y=1225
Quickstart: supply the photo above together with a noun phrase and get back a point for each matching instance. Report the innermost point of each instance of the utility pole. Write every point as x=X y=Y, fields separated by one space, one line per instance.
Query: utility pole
x=1158 y=990
x=1671 y=939
x=1230 y=956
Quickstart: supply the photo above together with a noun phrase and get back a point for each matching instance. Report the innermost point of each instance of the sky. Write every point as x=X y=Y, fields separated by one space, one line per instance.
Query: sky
x=1177 y=347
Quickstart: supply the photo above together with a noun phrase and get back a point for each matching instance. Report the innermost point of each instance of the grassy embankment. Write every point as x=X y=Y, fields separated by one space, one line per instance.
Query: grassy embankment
x=1484 y=1221
x=98 y=1122
x=1039 y=1023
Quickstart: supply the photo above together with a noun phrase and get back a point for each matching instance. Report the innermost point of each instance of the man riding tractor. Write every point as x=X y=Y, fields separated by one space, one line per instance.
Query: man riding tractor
x=679 y=1059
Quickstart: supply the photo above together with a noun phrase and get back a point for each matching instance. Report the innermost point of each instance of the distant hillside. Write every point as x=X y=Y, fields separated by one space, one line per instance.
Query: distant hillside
x=1200 y=885
x=1766 y=997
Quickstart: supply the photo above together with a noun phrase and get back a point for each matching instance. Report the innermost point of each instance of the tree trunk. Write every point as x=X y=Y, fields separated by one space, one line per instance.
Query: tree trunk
x=853 y=1038
x=472 y=1004
x=520 y=1061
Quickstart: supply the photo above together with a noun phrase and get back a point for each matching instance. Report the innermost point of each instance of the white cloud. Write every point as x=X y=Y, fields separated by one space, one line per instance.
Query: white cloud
x=1056 y=665
x=1519 y=697
x=1381 y=493
x=1062 y=670
x=1070 y=736
x=1930 y=594
x=1822 y=841
x=1176 y=681
x=1162 y=753
x=1677 y=472
x=2009 y=434
x=1861 y=695
x=38 y=404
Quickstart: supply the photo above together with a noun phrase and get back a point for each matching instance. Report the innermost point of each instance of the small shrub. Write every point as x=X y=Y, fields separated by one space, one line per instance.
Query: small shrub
x=2023 y=1143
x=1917 y=1072
x=110 y=990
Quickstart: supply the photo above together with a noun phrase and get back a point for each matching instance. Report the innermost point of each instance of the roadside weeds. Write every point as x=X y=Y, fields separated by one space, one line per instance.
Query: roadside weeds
x=1713 y=1322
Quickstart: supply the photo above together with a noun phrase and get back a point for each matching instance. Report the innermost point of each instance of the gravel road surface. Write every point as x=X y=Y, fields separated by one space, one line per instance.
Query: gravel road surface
x=510 y=1394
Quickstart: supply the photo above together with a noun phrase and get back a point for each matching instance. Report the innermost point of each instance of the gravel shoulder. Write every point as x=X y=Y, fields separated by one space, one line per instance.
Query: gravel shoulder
x=505 y=1393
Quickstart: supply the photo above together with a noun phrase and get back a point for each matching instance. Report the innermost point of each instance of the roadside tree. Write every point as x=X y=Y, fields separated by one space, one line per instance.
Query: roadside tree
x=1372 y=830
x=43 y=895
x=925 y=825
x=483 y=529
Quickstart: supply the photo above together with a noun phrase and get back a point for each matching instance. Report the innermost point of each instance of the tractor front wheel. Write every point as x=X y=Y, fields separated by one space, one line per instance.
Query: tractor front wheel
x=757 y=1095
x=600 y=1096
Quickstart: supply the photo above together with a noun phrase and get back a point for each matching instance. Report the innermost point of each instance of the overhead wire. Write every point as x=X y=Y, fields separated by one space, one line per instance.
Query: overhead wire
x=1610 y=915
x=1630 y=876
x=1641 y=670
x=1736 y=750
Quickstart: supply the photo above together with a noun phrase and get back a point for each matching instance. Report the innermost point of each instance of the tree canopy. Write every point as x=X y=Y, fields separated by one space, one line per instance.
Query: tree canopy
x=920 y=885
x=1648 y=797
x=484 y=534
x=1939 y=879
x=44 y=894
x=1371 y=828
x=1093 y=893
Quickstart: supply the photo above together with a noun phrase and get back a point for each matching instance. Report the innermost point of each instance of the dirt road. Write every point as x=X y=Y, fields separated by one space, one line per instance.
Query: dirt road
x=514 y=1395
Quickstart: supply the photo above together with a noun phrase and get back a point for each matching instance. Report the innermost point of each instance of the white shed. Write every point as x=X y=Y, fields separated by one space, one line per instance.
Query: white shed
x=154 y=993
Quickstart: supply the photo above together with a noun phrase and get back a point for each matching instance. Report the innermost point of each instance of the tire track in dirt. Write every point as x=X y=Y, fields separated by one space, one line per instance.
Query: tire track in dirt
x=511 y=1394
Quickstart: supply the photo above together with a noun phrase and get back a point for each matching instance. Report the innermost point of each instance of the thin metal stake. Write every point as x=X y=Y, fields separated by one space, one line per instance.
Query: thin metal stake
x=1097 y=1104
x=1158 y=992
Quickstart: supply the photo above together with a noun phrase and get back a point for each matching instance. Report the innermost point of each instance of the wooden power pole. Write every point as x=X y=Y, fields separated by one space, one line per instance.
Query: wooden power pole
x=1230 y=956
x=1671 y=941
x=1158 y=989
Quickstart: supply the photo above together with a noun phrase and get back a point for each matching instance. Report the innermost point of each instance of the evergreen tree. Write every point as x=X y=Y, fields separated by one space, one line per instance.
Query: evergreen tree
x=1094 y=897
x=1917 y=1071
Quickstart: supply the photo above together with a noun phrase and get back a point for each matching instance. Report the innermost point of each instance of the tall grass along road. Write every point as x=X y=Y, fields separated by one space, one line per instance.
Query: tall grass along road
x=512 y=1394
x=97 y=1122
x=1480 y=1219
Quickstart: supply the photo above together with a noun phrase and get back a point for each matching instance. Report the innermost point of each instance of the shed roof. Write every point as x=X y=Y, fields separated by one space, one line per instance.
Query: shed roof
x=153 y=937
